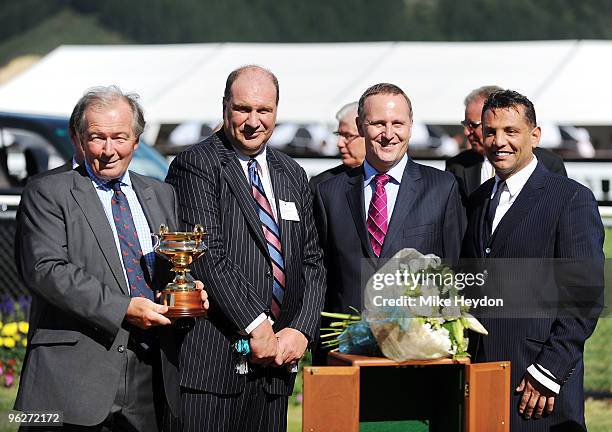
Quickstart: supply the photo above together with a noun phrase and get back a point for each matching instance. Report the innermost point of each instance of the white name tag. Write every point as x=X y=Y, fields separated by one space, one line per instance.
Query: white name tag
x=288 y=211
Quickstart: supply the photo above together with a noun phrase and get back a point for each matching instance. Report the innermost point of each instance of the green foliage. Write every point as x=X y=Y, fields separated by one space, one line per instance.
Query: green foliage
x=64 y=27
x=184 y=21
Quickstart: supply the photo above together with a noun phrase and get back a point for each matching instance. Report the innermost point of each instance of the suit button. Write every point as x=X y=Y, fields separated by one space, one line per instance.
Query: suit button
x=121 y=348
x=268 y=274
x=488 y=250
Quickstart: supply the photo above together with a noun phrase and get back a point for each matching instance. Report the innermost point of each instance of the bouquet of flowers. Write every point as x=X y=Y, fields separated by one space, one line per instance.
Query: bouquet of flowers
x=413 y=310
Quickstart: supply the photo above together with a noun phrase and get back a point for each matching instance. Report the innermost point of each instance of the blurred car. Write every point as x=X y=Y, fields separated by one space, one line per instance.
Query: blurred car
x=30 y=144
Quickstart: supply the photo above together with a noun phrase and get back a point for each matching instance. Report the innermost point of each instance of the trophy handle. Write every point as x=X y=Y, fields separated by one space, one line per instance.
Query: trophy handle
x=199 y=232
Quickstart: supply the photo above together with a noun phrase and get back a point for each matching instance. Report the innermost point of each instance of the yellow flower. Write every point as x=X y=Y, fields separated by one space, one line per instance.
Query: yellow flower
x=17 y=337
x=24 y=342
x=9 y=342
x=24 y=327
x=9 y=329
x=1 y=342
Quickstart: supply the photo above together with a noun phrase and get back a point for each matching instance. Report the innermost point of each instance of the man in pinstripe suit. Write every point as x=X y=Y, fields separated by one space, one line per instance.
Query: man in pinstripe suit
x=527 y=212
x=266 y=289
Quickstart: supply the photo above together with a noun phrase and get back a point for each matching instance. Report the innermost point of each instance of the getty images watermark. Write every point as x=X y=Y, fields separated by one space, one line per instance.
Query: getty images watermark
x=427 y=289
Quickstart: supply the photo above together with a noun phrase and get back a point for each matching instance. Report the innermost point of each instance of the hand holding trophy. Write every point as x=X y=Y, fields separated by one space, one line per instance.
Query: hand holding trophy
x=181 y=248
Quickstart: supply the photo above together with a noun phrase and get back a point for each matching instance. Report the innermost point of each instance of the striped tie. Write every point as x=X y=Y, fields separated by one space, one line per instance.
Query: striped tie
x=272 y=235
x=377 y=214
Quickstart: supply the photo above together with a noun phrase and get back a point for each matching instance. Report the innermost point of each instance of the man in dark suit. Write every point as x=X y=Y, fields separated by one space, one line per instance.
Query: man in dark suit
x=367 y=214
x=263 y=270
x=86 y=255
x=526 y=212
x=471 y=167
x=350 y=144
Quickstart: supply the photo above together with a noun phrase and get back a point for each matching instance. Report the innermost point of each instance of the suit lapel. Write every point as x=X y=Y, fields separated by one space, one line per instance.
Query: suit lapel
x=483 y=203
x=354 y=195
x=282 y=191
x=146 y=196
x=525 y=201
x=235 y=177
x=86 y=198
x=410 y=188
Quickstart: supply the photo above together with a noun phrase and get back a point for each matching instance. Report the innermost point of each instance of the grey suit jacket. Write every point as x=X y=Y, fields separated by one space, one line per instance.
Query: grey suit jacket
x=70 y=263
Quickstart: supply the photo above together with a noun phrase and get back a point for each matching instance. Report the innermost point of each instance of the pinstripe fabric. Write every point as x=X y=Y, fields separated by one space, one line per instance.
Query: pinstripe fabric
x=237 y=272
x=552 y=217
x=252 y=411
x=428 y=216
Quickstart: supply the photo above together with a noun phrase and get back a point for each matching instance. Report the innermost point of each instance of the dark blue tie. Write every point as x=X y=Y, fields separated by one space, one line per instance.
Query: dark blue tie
x=131 y=252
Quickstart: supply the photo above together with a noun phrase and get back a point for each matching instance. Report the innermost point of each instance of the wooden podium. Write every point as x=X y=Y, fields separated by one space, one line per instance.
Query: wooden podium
x=367 y=394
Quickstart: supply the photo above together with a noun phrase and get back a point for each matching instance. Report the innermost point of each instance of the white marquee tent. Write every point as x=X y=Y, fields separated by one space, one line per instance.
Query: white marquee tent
x=567 y=80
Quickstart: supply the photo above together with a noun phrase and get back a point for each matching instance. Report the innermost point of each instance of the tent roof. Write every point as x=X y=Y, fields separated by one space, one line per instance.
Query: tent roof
x=566 y=80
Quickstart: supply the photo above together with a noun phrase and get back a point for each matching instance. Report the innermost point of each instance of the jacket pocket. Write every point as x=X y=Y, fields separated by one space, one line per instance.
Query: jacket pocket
x=419 y=230
x=44 y=336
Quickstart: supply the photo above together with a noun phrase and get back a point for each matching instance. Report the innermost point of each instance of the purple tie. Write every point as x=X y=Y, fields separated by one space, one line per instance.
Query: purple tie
x=377 y=214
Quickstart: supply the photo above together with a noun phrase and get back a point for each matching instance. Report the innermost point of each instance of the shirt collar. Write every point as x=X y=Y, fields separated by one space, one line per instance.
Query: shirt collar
x=103 y=184
x=515 y=182
x=259 y=157
x=395 y=173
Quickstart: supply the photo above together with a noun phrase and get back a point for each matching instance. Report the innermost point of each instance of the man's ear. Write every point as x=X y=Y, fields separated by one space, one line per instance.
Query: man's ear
x=536 y=134
x=360 y=127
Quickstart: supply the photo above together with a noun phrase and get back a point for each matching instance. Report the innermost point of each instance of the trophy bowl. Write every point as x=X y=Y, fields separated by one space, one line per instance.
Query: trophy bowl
x=181 y=248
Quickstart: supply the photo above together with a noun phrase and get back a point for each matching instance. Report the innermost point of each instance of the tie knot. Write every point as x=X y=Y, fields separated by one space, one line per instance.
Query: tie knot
x=114 y=185
x=381 y=179
x=252 y=164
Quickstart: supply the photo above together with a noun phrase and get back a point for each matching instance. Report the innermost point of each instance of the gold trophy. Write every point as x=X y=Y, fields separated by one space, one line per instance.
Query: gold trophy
x=181 y=248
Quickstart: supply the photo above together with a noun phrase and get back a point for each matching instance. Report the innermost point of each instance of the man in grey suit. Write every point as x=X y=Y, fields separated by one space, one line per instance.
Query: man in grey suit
x=263 y=271
x=367 y=214
x=86 y=255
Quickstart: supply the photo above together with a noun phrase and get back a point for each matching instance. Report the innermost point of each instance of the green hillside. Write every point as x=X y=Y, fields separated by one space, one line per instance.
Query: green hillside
x=64 y=27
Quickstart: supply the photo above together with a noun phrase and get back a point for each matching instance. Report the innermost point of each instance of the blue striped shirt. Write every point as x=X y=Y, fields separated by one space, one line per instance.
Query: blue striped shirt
x=140 y=221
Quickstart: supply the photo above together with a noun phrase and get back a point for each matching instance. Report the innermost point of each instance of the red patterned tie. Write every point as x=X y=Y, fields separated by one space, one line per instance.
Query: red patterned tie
x=131 y=252
x=377 y=214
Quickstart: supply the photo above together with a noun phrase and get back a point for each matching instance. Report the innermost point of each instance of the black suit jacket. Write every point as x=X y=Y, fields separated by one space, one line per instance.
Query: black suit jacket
x=69 y=261
x=466 y=167
x=213 y=191
x=325 y=175
x=553 y=217
x=427 y=216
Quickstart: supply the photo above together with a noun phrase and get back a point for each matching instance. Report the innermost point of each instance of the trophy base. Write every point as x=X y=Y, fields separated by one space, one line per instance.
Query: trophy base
x=182 y=304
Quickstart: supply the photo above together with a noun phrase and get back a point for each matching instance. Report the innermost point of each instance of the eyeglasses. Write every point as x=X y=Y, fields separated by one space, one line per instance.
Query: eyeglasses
x=347 y=136
x=471 y=124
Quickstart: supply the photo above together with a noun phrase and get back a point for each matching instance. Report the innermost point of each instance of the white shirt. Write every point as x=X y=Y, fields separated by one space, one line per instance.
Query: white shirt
x=264 y=175
x=486 y=170
x=391 y=188
x=512 y=187
x=511 y=190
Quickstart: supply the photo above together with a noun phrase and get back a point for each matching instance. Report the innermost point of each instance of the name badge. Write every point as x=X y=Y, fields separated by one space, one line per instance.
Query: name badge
x=288 y=211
